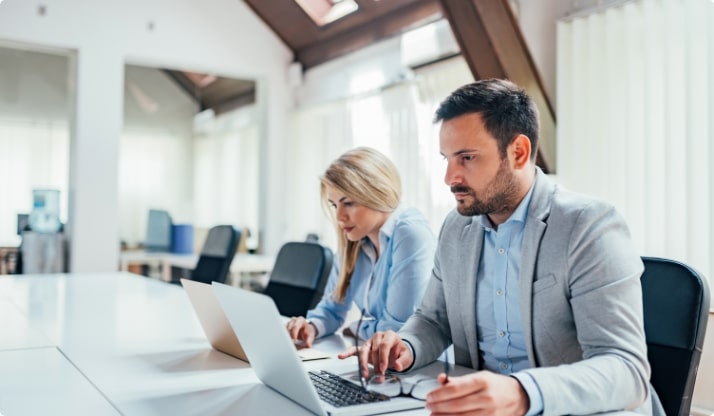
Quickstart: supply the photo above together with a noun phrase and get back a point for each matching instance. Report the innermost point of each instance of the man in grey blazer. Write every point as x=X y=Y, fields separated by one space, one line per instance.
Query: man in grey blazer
x=536 y=286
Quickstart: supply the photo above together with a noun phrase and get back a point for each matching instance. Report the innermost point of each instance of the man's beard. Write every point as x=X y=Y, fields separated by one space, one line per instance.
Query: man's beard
x=500 y=196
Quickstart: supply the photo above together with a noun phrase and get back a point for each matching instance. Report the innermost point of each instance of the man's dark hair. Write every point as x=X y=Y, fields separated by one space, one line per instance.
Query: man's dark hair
x=505 y=108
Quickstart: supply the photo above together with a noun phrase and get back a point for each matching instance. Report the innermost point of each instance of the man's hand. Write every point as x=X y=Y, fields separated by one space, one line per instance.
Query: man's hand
x=481 y=393
x=300 y=329
x=384 y=350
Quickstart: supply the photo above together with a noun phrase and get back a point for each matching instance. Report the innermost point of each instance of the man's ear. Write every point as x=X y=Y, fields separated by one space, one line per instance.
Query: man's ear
x=520 y=151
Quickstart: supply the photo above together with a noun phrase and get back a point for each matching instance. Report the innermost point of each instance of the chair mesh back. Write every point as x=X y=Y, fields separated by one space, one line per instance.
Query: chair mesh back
x=211 y=269
x=291 y=300
x=217 y=254
x=676 y=305
x=220 y=241
x=299 y=276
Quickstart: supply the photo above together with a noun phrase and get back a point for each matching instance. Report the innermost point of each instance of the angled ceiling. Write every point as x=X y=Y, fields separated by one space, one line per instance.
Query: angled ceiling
x=374 y=20
x=487 y=31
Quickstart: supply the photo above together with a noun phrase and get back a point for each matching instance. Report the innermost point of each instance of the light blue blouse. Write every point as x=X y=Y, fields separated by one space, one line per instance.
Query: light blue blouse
x=396 y=281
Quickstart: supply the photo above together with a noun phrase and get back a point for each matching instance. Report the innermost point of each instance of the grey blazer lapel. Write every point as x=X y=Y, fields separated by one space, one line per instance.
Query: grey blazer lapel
x=535 y=226
x=470 y=253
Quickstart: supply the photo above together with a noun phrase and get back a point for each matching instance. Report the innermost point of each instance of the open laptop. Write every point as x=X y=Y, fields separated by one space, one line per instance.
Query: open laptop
x=256 y=320
x=215 y=325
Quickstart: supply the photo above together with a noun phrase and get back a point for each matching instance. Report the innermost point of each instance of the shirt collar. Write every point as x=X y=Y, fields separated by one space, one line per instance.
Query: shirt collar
x=385 y=232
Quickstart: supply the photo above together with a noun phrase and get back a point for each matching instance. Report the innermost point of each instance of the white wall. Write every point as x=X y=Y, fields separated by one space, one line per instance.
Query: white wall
x=218 y=36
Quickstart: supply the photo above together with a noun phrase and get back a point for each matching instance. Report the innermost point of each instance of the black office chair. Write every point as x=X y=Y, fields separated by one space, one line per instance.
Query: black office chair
x=676 y=307
x=216 y=256
x=299 y=277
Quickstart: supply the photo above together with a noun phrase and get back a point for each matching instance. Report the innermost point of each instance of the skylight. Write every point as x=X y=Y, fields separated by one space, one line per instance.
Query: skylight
x=323 y=12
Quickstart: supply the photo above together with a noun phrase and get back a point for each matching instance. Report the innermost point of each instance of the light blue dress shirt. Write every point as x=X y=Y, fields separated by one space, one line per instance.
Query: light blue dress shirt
x=500 y=330
x=390 y=287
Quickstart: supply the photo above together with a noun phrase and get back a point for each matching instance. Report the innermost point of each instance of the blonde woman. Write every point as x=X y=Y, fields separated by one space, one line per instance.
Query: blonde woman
x=385 y=250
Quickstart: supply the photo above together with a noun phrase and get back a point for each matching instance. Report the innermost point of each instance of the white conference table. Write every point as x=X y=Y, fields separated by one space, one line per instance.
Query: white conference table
x=123 y=344
x=243 y=264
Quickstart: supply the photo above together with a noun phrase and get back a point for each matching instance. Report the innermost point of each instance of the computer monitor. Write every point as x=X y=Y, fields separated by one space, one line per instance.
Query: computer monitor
x=158 y=231
x=23 y=223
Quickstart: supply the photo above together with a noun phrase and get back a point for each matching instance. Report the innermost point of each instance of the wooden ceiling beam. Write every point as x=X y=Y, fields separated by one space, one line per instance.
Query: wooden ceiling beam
x=492 y=43
x=473 y=39
x=381 y=28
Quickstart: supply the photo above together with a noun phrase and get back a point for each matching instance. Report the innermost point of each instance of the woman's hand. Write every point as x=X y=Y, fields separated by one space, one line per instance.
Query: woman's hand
x=300 y=329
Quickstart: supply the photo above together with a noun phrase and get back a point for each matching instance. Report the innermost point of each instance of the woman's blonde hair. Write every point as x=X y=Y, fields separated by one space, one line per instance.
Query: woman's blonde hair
x=368 y=178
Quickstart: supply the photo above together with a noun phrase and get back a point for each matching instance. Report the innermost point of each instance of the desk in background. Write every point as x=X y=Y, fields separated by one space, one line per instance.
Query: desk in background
x=243 y=268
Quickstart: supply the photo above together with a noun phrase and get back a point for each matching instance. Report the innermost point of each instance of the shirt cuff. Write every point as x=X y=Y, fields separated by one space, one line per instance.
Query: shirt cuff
x=319 y=327
x=532 y=390
x=411 y=348
x=355 y=330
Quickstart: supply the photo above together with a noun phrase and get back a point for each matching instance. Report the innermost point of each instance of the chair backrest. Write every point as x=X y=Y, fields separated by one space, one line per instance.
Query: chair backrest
x=218 y=251
x=299 y=276
x=676 y=308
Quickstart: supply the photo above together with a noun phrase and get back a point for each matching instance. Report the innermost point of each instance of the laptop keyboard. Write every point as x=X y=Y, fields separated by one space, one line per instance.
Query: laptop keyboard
x=339 y=392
